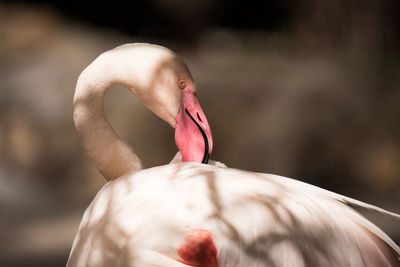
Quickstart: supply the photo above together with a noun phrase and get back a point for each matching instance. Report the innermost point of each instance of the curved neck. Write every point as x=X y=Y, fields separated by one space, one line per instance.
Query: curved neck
x=112 y=156
x=151 y=73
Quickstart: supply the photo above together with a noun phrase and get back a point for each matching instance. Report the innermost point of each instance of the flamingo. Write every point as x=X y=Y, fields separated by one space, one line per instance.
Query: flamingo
x=190 y=213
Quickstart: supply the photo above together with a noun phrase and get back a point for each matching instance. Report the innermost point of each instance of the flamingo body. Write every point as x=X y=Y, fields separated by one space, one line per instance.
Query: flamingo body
x=255 y=219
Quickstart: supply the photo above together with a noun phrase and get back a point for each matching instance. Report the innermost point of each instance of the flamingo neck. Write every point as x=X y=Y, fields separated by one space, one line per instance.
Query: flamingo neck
x=150 y=72
x=112 y=156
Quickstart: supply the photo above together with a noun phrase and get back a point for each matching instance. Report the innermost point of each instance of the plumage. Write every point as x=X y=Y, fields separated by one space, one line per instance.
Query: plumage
x=156 y=216
x=256 y=220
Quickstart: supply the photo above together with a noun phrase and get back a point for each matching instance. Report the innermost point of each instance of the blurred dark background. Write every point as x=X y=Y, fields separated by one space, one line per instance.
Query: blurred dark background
x=305 y=89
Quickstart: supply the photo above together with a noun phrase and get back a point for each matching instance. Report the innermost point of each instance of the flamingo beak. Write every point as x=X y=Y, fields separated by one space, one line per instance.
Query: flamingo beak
x=192 y=133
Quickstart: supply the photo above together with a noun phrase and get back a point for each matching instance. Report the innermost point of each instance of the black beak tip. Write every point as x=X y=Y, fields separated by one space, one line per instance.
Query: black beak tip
x=206 y=158
x=206 y=144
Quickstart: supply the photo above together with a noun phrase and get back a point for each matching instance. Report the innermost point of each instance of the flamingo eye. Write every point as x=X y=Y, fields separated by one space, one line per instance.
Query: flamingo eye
x=182 y=84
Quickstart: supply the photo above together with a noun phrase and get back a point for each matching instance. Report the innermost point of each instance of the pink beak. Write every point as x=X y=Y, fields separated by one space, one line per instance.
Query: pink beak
x=192 y=133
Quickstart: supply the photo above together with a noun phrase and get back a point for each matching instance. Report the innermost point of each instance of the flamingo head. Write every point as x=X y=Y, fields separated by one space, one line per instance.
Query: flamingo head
x=192 y=132
x=164 y=84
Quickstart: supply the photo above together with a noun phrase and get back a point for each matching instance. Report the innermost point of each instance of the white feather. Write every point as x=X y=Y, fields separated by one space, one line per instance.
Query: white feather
x=255 y=219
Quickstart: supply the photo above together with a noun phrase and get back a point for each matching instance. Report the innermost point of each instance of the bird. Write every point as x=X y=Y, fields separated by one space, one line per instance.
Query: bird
x=195 y=211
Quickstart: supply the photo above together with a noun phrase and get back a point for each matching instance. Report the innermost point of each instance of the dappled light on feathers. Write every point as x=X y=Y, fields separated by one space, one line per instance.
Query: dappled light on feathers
x=192 y=214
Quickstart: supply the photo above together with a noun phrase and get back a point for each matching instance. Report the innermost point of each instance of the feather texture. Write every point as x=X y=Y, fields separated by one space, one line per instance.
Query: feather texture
x=256 y=219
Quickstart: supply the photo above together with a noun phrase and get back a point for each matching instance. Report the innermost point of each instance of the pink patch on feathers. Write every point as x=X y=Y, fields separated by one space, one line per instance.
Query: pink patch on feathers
x=198 y=249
